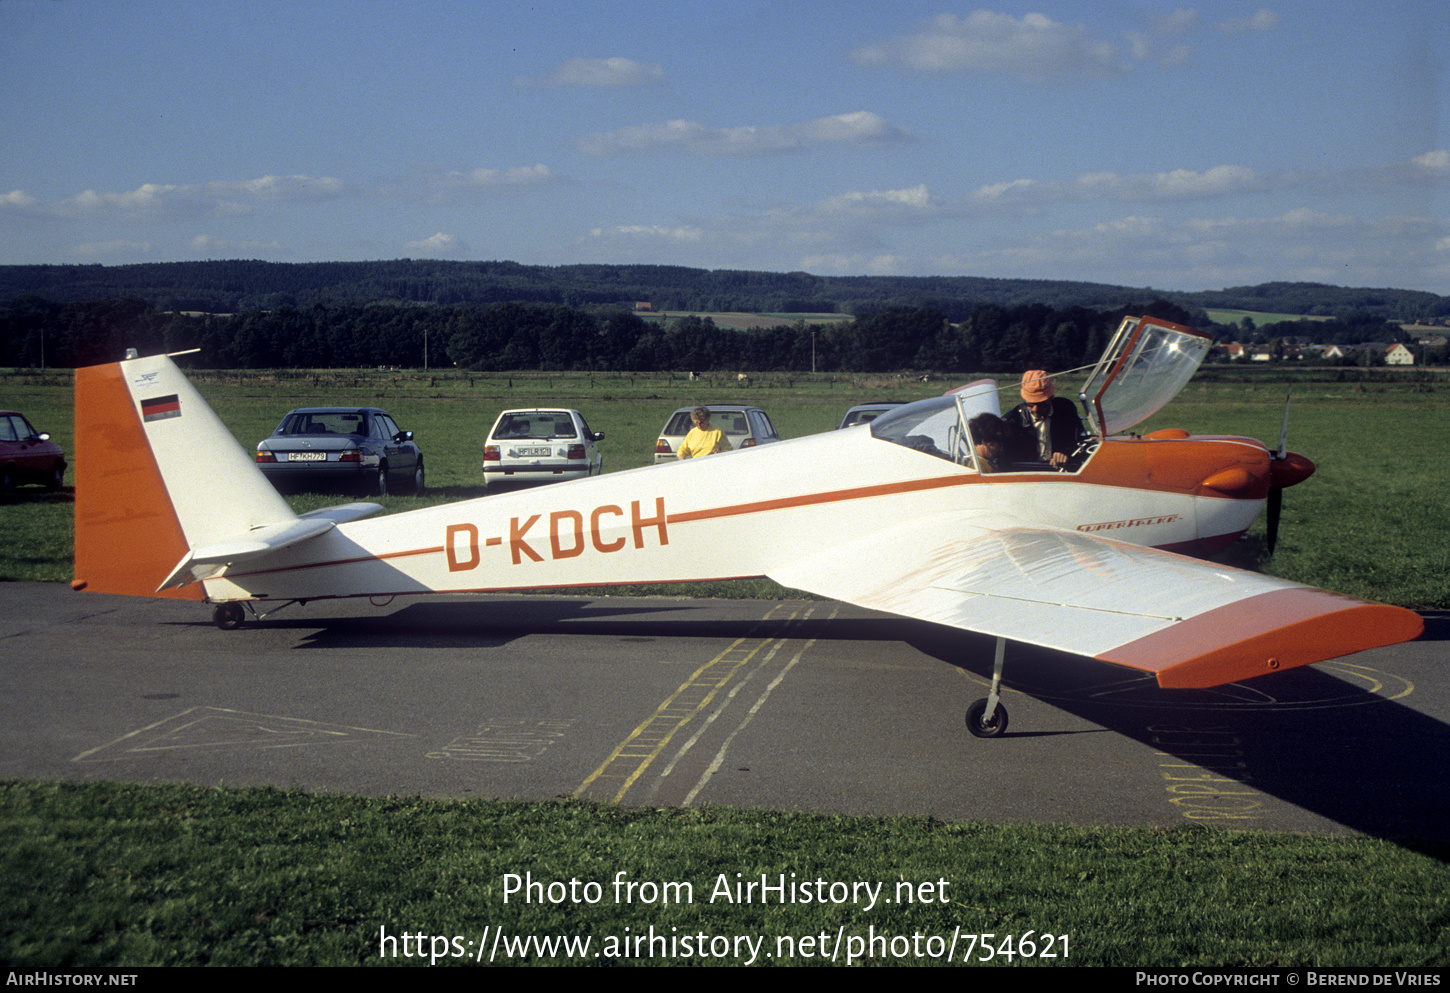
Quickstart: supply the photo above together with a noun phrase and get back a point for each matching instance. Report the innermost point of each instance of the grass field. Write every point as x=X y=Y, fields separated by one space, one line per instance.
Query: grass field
x=1369 y=523
x=108 y=875
x=1260 y=318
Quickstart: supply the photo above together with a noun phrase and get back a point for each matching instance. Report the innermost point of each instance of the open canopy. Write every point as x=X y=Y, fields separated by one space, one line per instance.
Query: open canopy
x=1145 y=365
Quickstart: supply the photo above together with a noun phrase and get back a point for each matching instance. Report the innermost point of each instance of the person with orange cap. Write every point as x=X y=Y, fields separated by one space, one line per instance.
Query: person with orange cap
x=1045 y=426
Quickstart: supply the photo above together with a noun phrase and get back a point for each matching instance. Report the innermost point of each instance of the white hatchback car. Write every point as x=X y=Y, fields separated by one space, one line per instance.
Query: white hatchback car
x=744 y=427
x=527 y=447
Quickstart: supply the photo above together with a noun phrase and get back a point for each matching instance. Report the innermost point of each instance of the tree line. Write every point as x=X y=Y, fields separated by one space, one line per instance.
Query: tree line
x=524 y=336
x=238 y=285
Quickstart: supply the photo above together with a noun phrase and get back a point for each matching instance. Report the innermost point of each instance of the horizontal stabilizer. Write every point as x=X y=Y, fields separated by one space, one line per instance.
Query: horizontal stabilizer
x=343 y=512
x=209 y=560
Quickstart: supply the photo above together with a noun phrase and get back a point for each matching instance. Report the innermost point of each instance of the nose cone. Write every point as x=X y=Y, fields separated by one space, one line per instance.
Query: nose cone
x=1292 y=468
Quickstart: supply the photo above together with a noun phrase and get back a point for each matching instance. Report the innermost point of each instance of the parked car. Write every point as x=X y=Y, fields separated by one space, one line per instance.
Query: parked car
x=865 y=413
x=744 y=427
x=27 y=456
x=528 y=447
x=357 y=448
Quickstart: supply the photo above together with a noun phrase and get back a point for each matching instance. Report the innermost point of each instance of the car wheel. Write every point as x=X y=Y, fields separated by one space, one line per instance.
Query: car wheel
x=378 y=485
x=418 y=482
x=57 y=477
x=7 y=485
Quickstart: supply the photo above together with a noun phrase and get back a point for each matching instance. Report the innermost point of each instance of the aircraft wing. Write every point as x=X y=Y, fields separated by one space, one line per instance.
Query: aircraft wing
x=1189 y=622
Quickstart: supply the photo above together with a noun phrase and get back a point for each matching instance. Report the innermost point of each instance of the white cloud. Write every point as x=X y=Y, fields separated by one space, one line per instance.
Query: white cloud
x=604 y=72
x=220 y=196
x=533 y=175
x=1178 y=22
x=1433 y=163
x=438 y=244
x=148 y=196
x=17 y=198
x=915 y=200
x=205 y=244
x=658 y=232
x=1175 y=184
x=1033 y=47
x=1263 y=20
x=282 y=187
x=843 y=233
x=1014 y=190
x=1302 y=244
x=1187 y=183
x=116 y=247
x=860 y=127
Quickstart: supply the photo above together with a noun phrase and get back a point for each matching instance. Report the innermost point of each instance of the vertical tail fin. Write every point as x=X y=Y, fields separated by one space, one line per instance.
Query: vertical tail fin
x=157 y=474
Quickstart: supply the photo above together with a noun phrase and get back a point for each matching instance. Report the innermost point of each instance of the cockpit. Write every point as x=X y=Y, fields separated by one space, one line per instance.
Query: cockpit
x=1144 y=366
x=948 y=427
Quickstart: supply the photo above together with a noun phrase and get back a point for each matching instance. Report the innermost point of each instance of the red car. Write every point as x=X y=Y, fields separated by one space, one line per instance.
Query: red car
x=27 y=456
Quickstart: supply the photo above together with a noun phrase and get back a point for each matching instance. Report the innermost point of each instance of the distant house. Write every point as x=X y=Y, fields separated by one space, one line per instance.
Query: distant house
x=1398 y=354
x=643 y=305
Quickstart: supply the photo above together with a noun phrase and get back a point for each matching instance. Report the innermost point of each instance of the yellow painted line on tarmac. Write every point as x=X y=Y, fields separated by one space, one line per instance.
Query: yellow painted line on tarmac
x=634 y=754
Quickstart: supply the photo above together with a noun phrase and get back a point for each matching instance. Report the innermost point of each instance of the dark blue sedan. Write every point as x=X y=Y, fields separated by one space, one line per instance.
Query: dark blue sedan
x=355 y=448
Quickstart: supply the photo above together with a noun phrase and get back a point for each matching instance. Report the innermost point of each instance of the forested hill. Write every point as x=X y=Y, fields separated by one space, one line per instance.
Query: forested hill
x=236 y=286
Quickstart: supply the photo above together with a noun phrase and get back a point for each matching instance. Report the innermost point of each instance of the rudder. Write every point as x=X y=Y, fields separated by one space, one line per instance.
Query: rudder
x=157 y=474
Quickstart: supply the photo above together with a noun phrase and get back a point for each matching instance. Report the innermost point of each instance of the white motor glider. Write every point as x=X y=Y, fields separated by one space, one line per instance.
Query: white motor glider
x=899 y=515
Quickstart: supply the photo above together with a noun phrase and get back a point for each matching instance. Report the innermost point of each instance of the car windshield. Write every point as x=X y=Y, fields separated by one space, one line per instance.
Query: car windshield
x=729 y=421
x=938 y=426
x=855 y=417
x=536 y=424
x=312 y=422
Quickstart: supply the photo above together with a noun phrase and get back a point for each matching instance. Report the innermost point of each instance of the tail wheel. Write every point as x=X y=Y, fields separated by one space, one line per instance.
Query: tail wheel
x=228 y=616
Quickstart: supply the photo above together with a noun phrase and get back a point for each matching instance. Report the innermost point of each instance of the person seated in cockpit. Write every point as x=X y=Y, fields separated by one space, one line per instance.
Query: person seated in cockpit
x=1044 y=426
x=989 y=437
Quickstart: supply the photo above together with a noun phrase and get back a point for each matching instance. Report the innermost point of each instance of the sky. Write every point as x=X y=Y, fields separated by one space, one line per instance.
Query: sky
x=1143 y=144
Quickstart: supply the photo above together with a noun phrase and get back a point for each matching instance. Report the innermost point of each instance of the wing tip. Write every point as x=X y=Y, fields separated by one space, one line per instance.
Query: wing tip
x=1272 y=632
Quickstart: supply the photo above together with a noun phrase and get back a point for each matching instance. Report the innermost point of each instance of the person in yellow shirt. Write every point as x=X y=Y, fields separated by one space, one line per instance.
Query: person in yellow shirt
x=702 y=439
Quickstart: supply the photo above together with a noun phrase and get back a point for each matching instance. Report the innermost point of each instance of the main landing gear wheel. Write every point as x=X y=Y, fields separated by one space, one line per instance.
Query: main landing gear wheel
x=981 y=728
x=228 y=616
x=978 y=722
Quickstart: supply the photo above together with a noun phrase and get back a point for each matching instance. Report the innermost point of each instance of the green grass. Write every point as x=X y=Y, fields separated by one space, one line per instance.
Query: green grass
x=115 y=875
x=1260 y=318
x=1369 y=523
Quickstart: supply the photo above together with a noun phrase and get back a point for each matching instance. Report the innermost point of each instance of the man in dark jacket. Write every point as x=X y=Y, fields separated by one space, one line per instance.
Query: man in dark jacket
x=1045 y=427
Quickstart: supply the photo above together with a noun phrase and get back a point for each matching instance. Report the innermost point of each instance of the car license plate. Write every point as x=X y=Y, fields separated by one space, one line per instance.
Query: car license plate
x=528 y=452
x=307 y=457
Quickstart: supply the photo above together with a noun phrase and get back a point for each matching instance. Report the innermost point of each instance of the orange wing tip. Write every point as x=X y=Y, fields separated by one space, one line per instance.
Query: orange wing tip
x=1267 y=633
x=78 y=584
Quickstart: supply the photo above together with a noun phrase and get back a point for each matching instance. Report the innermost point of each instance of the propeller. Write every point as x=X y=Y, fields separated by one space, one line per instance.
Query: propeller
x=1285 y=469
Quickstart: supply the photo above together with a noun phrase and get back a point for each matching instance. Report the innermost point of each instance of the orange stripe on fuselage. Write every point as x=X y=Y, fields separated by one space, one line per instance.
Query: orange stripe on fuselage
x=1134 y=464
x=127 y=536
